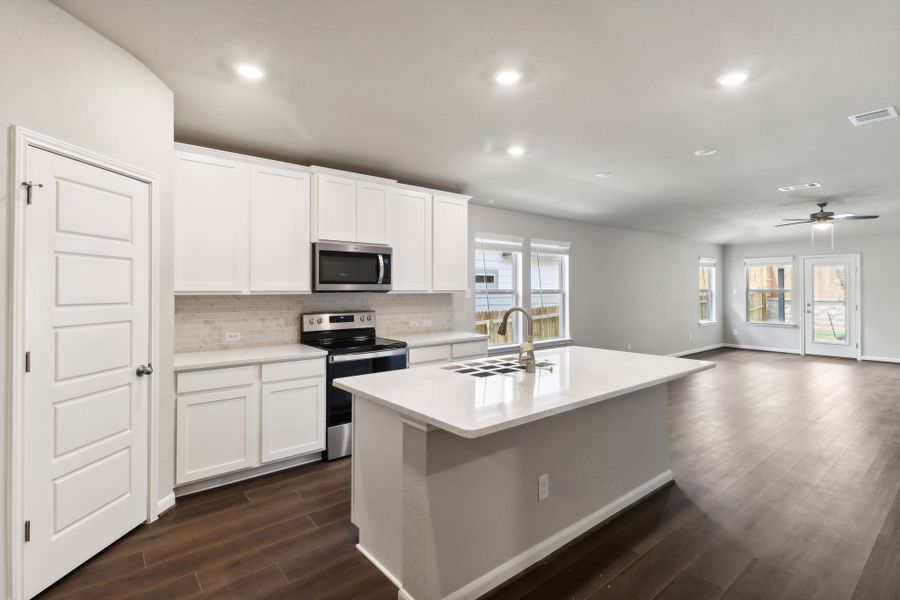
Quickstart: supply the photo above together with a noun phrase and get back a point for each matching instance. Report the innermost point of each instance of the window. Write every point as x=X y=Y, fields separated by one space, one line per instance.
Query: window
x=497 y=286
x=707 y=290
x=549 y=289
x=769 y=290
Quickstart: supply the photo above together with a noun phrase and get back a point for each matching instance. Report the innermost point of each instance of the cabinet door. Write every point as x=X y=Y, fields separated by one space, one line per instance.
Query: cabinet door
x=409 y=227
x=279 y=230
x=450 y=244
x=211 y=212
x=216 y=432
x=335 y=208
x=293 y=418
x=371 y=212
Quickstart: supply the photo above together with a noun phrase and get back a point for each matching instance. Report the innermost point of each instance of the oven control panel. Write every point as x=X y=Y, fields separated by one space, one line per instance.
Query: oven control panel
x=335 y=321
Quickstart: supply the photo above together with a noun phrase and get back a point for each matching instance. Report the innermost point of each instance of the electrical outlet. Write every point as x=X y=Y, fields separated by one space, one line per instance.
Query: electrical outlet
x=426 y=323
x=734 y=332
x=690 y=337
x=543 y=487
x=734 y=291
x=629 y=346
x=413 y=324
x=233 y=336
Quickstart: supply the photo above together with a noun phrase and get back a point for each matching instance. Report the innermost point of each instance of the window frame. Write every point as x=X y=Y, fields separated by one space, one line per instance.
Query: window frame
x=516 y=247
x=712 y=304
x=777 y=263
x=560 y=249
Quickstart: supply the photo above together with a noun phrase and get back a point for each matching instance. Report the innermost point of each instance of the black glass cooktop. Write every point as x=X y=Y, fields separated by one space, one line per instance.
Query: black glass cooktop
x=355 y=345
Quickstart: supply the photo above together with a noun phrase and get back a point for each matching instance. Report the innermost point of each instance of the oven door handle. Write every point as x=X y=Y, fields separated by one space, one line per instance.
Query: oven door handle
x=339 y=358
x=380 y=268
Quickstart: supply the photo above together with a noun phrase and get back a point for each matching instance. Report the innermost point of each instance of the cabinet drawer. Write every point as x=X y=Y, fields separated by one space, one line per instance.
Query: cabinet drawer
x=429 y=354
x=465 y=349
x=297 y=369
x=214 y=379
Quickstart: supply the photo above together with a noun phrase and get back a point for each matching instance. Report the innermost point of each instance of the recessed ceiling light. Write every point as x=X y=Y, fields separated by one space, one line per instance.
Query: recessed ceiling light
x=508 y=77
x=248 y=71
x=515 y=150
x=602 y=174
x=705 y=151
x=799 y=186
x=735 y=78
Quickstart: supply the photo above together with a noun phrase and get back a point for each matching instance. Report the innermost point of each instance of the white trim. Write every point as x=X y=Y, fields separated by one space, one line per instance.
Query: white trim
x=21 y=139
x=772 y=324
x=774 y=260
x=762 y=348
x=708 y=261
x=402 y=594
x=393 y=578
x=165 y=503
x=228 y=478
x=264 y=162
x=706 y=323
x=541 y=550
x=696 y=350
x=884 y=359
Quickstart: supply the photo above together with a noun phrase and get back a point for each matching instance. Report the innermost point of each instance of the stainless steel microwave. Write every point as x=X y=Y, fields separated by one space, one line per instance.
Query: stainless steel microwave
x=342 y=267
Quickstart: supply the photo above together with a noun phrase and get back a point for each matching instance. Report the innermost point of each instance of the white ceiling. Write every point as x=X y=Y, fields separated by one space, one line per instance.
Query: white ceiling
x=403 y=88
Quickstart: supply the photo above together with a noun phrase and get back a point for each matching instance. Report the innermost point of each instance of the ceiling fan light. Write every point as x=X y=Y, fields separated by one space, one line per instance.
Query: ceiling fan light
x=822 y=226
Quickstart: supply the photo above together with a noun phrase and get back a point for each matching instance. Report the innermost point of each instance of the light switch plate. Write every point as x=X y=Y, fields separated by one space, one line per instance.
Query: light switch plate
x=543 y=487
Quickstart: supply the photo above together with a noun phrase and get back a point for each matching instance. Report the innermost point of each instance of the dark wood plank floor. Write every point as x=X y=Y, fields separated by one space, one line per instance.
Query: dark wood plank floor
x=788 y=486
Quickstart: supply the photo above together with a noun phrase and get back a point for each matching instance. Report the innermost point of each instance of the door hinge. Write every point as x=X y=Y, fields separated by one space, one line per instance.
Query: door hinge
x=28 y=362
x=28 y=187
x=27 y=531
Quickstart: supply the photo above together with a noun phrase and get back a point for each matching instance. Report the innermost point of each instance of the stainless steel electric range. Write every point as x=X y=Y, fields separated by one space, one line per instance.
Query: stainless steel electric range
x=353 y=349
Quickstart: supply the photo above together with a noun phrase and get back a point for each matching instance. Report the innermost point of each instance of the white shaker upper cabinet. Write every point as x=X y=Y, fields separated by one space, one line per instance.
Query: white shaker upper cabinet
x=279 y=230
x=450 y=244
x=335 y=208
x=409 y=226
x=371 y=212
x=211 y=213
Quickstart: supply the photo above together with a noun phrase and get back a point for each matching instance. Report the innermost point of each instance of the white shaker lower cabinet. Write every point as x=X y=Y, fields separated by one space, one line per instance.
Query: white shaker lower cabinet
x=217 y=430
x=450 y=243
x=293 y=411
x=238 y=418
x=445 y=353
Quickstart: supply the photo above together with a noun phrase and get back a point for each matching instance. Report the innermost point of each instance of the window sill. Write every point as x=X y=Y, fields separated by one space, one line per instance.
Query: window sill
x=706 y=323
x=767 y=324
x=538 y=345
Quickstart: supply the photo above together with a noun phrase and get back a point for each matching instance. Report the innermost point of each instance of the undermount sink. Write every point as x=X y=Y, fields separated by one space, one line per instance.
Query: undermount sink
x=487 y=367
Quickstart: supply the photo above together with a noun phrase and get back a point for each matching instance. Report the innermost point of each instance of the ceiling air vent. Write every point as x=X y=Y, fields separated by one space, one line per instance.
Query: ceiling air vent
x=799 y=186
x=882 y=114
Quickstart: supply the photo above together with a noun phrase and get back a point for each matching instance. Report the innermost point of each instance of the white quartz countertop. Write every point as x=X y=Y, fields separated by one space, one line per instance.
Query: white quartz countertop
x=472 y=407
x=420 y=340
x=186 y=361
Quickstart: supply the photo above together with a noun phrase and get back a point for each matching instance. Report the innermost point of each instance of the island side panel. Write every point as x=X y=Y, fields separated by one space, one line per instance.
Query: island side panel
x=377 y=482
x=471 y=512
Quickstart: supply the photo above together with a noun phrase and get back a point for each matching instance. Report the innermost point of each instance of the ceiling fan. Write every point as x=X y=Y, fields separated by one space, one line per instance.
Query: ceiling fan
x=824 y=220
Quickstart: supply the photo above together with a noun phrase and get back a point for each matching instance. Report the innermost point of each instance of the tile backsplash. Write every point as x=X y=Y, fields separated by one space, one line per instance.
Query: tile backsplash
x=201 y=322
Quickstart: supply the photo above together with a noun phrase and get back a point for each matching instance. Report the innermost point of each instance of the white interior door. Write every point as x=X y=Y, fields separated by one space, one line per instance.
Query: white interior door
x=830 y=306
x=87 y=282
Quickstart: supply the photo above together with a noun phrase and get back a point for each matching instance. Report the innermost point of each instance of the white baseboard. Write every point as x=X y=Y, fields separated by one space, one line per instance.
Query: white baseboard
x=220 y=480
x=762 y=348
x=886 y=359
x=541 y=550
x=696 y=350
x=165 y=503
x=379 y=566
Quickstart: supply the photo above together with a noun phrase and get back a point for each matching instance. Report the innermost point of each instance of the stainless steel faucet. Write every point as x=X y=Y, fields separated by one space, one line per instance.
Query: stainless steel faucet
x=526 y=348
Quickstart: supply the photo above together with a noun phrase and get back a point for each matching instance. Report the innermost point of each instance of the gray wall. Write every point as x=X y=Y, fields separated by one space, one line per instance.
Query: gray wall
x=625 y=286
x=62 y=79
x=880 y=290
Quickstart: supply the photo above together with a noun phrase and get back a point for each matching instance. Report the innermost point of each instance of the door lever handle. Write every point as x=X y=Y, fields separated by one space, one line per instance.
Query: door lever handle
x=144 y=370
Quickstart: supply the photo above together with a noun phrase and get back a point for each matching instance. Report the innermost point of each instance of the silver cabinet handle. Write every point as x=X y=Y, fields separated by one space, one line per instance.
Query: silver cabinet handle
x=144 y=370
x=339 y=358
x=380 y=268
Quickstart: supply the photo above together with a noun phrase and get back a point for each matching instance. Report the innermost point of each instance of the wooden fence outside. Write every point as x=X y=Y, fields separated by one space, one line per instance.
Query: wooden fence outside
x=546 y=324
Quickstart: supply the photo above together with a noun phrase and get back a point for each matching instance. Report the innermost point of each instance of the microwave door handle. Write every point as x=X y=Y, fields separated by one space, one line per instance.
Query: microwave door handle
x=380 y=268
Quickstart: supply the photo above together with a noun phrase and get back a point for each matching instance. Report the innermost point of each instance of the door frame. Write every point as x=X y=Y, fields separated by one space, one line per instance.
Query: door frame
x=857 y=291
x=20 y=140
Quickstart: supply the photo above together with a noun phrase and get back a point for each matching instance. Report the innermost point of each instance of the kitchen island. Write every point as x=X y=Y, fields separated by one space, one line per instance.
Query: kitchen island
x=466 y=474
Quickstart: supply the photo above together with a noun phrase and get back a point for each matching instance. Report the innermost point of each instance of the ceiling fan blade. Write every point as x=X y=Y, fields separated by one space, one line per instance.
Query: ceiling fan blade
x=843 y=216
x=855 y=217
x=797 y=223
x=806 y=219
